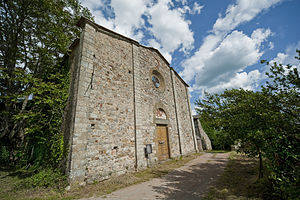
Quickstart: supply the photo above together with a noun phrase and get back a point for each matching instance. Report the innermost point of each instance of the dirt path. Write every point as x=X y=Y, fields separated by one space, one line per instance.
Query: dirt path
x=188 y=182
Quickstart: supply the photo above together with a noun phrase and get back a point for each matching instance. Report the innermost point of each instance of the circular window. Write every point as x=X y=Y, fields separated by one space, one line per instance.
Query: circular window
x=155 y=81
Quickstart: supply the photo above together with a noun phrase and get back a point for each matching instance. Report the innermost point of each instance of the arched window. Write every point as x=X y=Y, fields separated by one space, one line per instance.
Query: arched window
x=160 y=114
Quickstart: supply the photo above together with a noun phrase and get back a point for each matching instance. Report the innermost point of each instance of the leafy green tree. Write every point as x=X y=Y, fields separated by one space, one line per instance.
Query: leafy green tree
x=240 y=115
x=265 y=123
x=283 y=150
x=211 y=123
x=34 y=38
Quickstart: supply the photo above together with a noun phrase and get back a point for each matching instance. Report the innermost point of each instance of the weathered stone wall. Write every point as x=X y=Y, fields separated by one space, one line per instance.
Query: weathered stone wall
x=112 y=145
x=77 y=144
x=69 y=114
x=185 y=124
x=149 y=99
x=103 y=143
x=113 y=102
x=202 y=137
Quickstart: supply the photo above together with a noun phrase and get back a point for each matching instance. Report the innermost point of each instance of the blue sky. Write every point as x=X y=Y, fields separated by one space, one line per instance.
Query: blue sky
x=213 y=44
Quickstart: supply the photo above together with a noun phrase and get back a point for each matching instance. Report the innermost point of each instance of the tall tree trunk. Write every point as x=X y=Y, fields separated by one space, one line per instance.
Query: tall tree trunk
x=260 y=173
x=17 y=124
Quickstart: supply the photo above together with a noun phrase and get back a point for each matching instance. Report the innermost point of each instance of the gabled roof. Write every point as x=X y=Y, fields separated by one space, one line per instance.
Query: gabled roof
x=82 y=21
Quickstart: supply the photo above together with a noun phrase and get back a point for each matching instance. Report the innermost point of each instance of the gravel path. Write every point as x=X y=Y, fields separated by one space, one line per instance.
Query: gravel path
x=190 y=181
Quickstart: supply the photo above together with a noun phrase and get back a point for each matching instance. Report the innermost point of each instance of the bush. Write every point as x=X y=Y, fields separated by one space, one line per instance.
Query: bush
x=45 y=178
x=219 y=140
x=4 y=155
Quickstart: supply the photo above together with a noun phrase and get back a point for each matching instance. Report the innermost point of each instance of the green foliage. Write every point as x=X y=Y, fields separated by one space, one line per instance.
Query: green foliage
x=265 y=123
x=234 y=115
x=4 y=154
x=45 y=178
x=239 y=115
x=211 y=124
x=283 y=150
x=220 y=139
x=34 y=40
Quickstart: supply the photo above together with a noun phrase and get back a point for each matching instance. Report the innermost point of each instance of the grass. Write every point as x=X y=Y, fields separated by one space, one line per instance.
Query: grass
x=239 y=180
x=218 y=151
x=9 y=182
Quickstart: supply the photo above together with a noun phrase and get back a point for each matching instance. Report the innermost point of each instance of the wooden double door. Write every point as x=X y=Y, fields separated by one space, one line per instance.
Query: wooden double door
x=163 y=152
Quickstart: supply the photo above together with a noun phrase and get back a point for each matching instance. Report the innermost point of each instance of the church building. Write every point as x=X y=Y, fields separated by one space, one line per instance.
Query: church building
x=127 y=108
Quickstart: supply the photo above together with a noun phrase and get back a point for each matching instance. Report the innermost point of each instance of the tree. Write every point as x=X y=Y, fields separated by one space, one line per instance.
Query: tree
x=240 y=115
x=208 y=109
x=35 y=36
x=266 y=123
x=283 y=150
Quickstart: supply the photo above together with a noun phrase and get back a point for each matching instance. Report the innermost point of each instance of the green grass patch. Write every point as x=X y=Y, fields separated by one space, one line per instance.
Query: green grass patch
x=239 y=180
x=24 y=184
x=217 y=151
x=45 y=179
x=15 y=186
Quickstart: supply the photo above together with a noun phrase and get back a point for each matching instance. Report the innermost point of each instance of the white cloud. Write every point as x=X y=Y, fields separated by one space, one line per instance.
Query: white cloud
x=288 y=57
x=92 y=4
x=122 y=16
x=169 y=30
x=183 y=2
x=128 y=15
x=247 y=81
x=197 y=8
x=271 y=45
x=242 y=11
x=153 y=43
x=234 y=54
x=260 y=35
x=225 y=52
x=193 y=107
x=280 y=58
x=99 y=17
x=216 y=61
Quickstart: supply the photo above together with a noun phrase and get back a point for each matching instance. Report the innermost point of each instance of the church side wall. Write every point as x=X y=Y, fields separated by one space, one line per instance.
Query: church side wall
x=77 y=149
x=186 y=130
x=103 y=142
x=69 y=113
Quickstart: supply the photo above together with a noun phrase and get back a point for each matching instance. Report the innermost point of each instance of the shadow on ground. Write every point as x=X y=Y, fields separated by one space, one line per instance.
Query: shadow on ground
x=193 y=182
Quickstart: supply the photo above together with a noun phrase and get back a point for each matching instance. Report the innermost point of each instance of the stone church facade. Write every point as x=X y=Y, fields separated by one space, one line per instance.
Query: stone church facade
x=124 y=98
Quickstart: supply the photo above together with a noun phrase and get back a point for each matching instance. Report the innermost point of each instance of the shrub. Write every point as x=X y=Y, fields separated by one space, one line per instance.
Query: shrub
x=45 y=178
x=4 y=155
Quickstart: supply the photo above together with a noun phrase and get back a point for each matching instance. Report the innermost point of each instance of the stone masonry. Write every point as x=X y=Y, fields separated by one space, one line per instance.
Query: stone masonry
x=203 y=140
x=111 y=111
